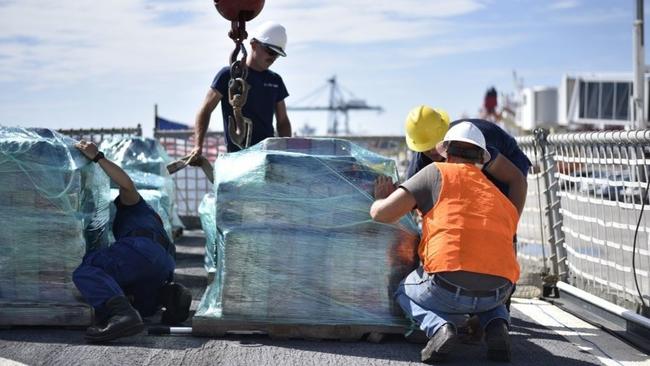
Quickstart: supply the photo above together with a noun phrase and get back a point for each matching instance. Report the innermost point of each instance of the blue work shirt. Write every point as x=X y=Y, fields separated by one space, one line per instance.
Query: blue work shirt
x=497 y=142
x=139 y=217
x=266 y=90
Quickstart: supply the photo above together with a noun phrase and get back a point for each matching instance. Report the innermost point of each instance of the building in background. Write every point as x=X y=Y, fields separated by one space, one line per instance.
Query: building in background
x=597 y=101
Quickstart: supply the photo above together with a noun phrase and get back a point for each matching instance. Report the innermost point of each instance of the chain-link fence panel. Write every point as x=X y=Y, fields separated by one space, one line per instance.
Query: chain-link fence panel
x=97 y=135
x=602 y=184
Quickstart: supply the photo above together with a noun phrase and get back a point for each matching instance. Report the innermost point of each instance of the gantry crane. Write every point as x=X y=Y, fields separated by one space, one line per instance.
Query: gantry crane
x=338 y=106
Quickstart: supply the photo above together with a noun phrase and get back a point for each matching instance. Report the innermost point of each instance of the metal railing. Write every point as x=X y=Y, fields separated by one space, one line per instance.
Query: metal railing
x=96 y=135
x=585 y=197
x=191 y=183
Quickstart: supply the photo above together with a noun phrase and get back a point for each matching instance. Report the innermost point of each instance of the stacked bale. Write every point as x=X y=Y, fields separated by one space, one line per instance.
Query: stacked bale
x=294 y=240
x=207 y=212
x=54 y=209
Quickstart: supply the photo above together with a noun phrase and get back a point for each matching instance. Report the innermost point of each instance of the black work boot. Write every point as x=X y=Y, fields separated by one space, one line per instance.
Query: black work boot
x=176 y=299
x=471 y=331
x=440 y=344
x=123 y=321
x=498 y=341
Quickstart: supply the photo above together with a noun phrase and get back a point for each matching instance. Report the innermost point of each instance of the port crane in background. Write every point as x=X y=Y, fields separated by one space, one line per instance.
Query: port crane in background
x=338 y=107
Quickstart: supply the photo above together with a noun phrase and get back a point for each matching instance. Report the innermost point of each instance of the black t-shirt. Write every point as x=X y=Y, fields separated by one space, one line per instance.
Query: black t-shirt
x=266 y=90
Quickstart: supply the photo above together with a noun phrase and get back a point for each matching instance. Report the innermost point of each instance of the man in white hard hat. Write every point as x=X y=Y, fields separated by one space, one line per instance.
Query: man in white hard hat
x=507 y=168
x=265 y=97
x=468 y=262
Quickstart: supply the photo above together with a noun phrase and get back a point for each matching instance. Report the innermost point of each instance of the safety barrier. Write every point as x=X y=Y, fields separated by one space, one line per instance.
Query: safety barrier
x=583 y=221
x=191 y=183
x=97 y=135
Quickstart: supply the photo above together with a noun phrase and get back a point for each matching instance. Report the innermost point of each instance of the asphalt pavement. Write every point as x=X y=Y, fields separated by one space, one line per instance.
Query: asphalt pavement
x=541 y=334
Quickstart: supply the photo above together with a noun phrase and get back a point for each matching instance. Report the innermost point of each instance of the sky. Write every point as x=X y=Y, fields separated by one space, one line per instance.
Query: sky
x=102 y=64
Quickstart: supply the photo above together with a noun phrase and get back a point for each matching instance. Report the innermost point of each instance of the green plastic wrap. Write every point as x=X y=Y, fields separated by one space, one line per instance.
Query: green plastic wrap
x=55 y=207
x=136 y=153
x=295 y=243
x=207 y=214
x=145 y=161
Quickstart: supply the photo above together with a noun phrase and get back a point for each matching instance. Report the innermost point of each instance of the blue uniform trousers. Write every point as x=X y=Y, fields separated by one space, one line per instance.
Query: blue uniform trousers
x=133 y=266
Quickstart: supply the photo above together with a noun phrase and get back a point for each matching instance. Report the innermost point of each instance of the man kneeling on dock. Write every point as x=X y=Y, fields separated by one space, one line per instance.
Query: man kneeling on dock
x=468 y=262
x=139 y=266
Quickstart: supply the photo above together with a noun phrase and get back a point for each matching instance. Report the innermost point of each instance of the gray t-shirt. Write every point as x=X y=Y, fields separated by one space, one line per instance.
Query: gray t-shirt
x=425 y=187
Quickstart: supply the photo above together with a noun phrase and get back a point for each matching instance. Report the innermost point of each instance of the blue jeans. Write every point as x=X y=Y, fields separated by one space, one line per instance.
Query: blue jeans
x=432 y=306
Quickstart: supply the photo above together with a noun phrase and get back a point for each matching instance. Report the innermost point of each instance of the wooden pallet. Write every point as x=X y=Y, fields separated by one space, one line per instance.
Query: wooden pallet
x=213 y=327
x=16 y=313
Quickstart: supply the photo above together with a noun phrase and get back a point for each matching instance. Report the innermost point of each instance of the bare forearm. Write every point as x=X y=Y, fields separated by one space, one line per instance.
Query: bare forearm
x=202 y=122
x=393 y=207
x=128 y=193
x=117 y=174
x=517 y=195
x=201 y=127
x=379 y=214
x=505 y=171
x=284 y=128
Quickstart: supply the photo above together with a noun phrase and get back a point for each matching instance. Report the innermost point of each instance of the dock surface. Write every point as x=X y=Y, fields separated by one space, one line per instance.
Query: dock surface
x=541 y=334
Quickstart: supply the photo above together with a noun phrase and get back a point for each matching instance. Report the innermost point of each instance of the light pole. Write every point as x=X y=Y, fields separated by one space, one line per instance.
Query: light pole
x=639 y=69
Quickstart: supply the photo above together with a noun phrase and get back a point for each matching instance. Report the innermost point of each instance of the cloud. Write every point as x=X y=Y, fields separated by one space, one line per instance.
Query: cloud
x=470 y=45
x=81 y=40
x=598 y=16
x=405 y=8
x=71 y=41
x=564 y=4
x=366 y=21
x=113 y=59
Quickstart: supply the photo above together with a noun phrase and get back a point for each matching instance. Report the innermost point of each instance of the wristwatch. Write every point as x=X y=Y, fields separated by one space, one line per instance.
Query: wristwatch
x=98 y=157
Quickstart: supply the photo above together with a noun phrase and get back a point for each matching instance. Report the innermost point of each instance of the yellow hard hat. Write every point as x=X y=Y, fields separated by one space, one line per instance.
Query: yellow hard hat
x=444 y=115
x=425 y=127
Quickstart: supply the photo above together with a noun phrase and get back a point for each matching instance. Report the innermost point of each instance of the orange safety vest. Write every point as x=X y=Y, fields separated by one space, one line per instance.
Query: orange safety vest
x=471 y=226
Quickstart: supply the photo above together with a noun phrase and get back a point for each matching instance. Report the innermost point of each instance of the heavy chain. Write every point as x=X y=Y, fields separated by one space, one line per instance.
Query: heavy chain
x=240 y=128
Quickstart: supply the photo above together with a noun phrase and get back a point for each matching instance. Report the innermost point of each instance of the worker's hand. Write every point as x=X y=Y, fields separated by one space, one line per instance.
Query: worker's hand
x=89 y=149
x=195 y=158
x=384 y=187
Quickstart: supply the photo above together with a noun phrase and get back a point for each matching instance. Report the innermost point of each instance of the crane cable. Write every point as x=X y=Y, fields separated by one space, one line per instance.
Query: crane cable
x=240 y=128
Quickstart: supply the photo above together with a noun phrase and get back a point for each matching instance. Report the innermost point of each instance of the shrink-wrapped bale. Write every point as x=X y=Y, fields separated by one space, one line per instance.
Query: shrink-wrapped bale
x=295 y=243
x=135 y=153
x=145 y=161
x=55 y=207
x=207 y=212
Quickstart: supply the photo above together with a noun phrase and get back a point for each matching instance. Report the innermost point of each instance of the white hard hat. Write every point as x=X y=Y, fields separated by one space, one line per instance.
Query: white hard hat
x=464 y=132
x=272 y=35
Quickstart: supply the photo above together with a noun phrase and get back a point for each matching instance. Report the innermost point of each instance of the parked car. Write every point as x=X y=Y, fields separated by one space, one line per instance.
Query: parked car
x=606 y=185
x=636 y=195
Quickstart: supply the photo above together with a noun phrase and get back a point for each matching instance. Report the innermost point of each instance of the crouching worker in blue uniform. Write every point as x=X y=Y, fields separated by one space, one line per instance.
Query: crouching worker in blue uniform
x=139 y=266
